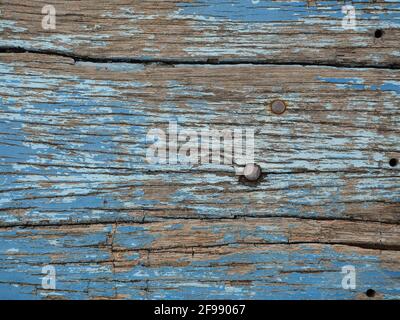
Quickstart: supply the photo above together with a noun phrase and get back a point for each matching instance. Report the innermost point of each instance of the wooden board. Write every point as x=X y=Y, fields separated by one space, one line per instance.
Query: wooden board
x=198 y=30
x=77 y=192
x=251 y=259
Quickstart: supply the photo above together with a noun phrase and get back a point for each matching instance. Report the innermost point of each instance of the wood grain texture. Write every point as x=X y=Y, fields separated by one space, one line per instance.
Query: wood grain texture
x=232 y=30
x=74 y=141
x=77 y=192
x=248 y=259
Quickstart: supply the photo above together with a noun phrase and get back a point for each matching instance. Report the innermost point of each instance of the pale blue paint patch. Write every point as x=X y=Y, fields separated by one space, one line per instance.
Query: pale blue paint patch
x=11 y=26
x=393 y=86
x=133 y=256
x=245 y=11
x=133 y=237
x=342 y=80
x=358 y=84
x=175 y=226
x=268 y=11
x=345 y=83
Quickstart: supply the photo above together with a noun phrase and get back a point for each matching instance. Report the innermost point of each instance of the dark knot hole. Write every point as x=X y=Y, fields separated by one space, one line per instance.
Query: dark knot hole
x=393 y=162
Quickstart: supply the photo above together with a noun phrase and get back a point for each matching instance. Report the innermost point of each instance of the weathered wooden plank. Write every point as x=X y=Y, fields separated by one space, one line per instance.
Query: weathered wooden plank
x=265 y=30
x=251 y=258
x=76 y=189
x=73 y=141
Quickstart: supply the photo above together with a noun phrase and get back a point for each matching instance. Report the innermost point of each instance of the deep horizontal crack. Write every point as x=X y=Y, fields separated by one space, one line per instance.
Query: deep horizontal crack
x=140 y=220
x=196 y=61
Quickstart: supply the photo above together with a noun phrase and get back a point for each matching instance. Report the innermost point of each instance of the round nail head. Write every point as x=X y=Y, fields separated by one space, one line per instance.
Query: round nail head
x=252 y=172
x=278 y=106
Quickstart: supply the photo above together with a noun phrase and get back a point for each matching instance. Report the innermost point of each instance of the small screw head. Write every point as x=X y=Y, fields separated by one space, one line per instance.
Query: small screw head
x=278 y=106
x=252 y=172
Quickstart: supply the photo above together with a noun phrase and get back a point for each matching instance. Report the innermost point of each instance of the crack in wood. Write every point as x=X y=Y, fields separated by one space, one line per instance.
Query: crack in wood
x=193 y=61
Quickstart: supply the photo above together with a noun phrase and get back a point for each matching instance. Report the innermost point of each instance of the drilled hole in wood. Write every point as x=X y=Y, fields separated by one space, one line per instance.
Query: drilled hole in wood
x=370 y=293
x=378 y=33
x=393 y=162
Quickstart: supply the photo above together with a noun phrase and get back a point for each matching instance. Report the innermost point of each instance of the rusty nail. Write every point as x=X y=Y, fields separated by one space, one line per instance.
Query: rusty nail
x=252 y=172
x=278 y=106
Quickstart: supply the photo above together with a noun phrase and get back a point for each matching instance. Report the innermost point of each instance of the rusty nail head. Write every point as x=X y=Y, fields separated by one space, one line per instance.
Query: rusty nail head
x=252 y=172
x=278 y=106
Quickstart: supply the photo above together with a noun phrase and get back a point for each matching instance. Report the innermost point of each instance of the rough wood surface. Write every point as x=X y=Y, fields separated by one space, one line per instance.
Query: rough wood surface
x=275 y=31
x=251 y=259
x=77 y=193
x=75 y=137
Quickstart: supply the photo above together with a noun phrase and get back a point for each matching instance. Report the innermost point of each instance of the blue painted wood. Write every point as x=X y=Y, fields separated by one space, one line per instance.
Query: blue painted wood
x=73 y=151
x=77 y=194
x=171 y=260
x=74 y=141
